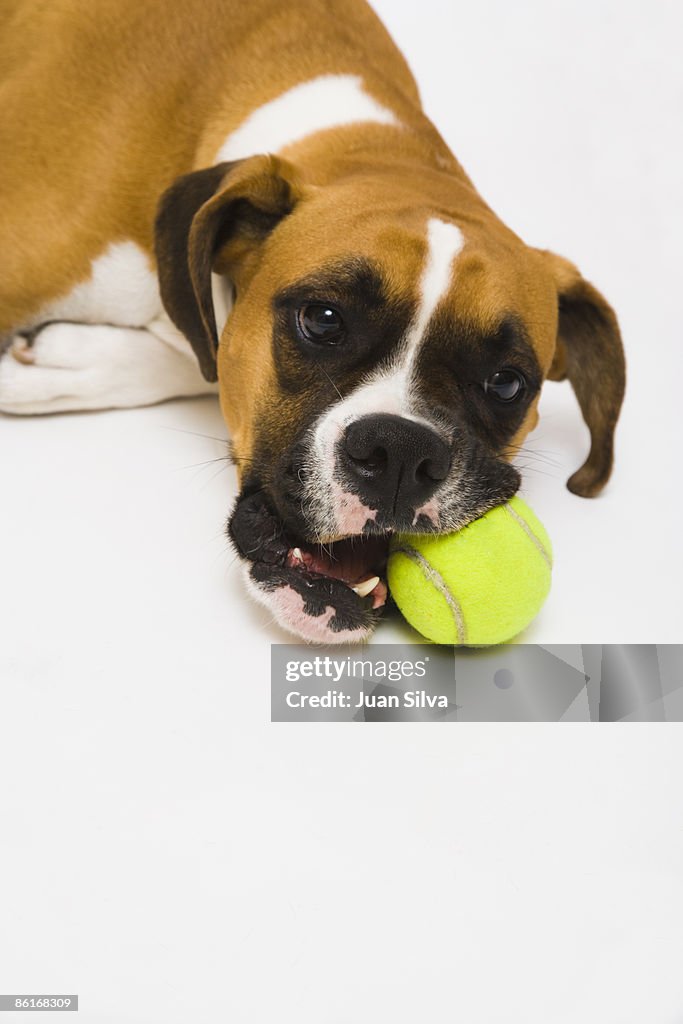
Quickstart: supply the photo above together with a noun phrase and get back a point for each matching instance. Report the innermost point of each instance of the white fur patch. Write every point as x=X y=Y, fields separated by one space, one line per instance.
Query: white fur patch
x=223 y=297
x=444 y=242
x=390 y=390
x=329 y=101
x=352 y=514
x=122 y=289
x=97 y=366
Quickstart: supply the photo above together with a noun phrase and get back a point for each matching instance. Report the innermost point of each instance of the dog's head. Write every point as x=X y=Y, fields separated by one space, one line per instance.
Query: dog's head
x=380 y=367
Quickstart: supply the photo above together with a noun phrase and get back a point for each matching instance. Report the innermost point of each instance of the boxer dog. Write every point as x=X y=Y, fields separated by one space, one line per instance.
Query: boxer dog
x=248 y=198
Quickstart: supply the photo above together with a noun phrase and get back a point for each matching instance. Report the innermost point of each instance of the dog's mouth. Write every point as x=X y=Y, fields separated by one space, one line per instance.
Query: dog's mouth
x=329 y=592
x=357 y=562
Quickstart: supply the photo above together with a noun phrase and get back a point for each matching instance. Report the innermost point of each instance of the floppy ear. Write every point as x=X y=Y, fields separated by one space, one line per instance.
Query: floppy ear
x=215 y=217
x=589 y=352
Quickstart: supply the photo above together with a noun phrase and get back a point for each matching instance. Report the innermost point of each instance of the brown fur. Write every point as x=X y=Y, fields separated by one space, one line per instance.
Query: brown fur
x=87 y=95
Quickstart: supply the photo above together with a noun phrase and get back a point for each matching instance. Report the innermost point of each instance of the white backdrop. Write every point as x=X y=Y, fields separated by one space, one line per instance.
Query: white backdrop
x=172 y=856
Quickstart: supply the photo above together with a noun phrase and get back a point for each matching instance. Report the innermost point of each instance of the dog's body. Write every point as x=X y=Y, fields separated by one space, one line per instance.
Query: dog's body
x=102 y=107
x=383 y=336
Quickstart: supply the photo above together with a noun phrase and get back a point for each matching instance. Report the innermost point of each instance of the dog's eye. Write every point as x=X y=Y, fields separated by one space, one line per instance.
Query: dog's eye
x=320 y=323
x=506 y=385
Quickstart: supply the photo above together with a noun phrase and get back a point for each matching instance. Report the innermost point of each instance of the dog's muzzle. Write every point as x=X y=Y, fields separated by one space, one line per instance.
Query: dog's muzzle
x=393 y=464
x=315 y=539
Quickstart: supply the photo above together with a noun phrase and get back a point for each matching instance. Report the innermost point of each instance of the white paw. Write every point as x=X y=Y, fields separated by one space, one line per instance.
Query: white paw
x=93 y=366
x=44 y=377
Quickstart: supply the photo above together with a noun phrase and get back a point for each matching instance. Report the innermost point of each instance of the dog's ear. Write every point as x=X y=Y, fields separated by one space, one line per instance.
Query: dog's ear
x=590 y=354
x=215 y=219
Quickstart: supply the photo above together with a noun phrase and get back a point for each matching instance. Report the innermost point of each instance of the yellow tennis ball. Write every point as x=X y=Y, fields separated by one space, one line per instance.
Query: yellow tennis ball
x=480 y=586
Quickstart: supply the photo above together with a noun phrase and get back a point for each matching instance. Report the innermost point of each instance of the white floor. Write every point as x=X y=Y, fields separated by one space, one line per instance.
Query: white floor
x=169 y=854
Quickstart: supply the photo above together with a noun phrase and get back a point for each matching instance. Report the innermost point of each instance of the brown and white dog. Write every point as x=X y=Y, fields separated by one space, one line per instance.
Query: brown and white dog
x=259 y=180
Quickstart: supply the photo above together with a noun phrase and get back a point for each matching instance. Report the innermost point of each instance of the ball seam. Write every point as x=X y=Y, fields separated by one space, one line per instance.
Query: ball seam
x=535 y=540
x=434 y=576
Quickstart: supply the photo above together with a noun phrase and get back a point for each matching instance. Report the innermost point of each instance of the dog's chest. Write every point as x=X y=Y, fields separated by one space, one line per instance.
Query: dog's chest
x=121 y=289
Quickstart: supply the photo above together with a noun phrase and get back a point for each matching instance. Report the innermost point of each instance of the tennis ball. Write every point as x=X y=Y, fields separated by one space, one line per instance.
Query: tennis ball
x=480 y=586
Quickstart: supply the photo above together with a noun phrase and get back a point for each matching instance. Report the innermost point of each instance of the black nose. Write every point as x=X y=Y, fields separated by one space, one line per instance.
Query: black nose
x=397 y=462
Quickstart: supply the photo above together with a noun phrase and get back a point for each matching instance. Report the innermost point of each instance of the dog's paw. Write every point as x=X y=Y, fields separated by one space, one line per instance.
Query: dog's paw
x=68 y=367
x=46 y=373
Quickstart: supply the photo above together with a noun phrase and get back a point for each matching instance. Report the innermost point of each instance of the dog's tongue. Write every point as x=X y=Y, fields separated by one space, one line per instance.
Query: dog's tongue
x=356 y=561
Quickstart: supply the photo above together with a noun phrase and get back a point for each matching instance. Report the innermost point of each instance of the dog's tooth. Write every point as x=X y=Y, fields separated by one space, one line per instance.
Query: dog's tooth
x=364 y=588
x=297 y=554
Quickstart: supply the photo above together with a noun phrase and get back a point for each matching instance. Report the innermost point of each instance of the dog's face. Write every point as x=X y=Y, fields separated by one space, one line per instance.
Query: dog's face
x=380 y=367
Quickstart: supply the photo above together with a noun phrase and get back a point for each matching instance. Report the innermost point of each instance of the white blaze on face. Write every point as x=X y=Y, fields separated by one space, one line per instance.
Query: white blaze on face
x=444 y=242
x=390 y=390
x=330 y=101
